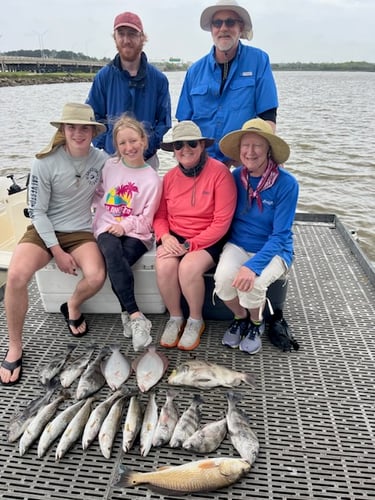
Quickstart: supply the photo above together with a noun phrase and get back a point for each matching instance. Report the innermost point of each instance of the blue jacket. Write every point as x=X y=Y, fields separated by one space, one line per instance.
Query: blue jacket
x=266 y=232
x=145 y=96
x=250 y=89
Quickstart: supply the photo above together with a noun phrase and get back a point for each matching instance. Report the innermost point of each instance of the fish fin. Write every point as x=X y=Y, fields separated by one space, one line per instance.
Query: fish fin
x=165 y=491
x=249 y=379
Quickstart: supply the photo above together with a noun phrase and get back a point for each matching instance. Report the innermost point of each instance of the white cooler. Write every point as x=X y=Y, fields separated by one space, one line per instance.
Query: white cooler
x=56 y=287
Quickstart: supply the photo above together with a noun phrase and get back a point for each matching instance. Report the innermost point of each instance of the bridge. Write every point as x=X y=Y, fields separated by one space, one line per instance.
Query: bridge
x=48 y=65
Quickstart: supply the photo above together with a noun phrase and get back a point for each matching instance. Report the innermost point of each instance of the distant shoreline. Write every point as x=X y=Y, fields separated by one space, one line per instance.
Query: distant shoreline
x=7 y=80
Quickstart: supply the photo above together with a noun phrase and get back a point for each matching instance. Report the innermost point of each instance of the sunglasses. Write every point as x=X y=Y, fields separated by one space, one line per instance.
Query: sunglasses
x=229 y=23
x=180 y=144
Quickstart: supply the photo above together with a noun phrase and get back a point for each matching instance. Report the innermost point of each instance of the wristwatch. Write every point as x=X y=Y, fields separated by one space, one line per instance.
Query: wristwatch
x=186 y=245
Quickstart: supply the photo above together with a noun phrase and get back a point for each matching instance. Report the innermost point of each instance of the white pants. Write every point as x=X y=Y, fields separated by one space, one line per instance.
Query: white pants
x=231 y=259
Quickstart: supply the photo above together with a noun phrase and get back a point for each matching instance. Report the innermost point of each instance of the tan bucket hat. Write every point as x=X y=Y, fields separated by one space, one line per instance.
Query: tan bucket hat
x=79 y=114
x=209 y=12
x=230 y=143
x=185 y=131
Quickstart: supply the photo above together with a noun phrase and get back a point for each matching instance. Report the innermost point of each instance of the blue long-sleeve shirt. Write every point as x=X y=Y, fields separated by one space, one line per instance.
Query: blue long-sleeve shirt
x=249 y=90
x=146 y=96
x=266 y=232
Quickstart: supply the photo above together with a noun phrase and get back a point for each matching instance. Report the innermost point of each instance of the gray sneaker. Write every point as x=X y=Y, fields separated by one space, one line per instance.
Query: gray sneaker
x=172 y=332
x=141 y=328
x=192 y=335
x=252 y=342
x=233 y=335
x=125 y=318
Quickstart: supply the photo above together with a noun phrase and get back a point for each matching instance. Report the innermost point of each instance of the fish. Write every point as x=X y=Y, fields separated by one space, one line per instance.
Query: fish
x=92 y=378
x=56 y=427
x=132 y=424
x=187 y=424
x=22 y=417
x=53 y=368
x=96 y=419
x=110 y=426
x=167 y=421
x=149 y=368
x=198 y=476
x=150 y=419
x=206 y=375
x=38 y=423
x=208 y=438
x=74 y=429
x=76 y=367
x=243 y=438
x=117 y=368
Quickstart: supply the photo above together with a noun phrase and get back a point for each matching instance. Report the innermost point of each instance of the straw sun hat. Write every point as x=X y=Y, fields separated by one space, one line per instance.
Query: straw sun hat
x=209 y=12
x=185 y=131
x=230 y=143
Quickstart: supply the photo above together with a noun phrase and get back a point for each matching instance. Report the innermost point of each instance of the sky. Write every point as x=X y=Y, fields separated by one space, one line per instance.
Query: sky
x=288 y=30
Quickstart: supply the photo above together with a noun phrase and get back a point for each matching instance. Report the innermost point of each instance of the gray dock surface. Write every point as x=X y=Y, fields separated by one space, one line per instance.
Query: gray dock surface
x=313 y=410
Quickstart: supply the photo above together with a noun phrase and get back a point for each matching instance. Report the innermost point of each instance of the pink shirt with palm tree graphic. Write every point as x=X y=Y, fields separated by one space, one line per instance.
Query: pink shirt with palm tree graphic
x=129 y=196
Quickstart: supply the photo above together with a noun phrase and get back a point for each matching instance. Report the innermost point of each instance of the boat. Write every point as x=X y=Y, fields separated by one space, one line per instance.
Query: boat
x=312 y=409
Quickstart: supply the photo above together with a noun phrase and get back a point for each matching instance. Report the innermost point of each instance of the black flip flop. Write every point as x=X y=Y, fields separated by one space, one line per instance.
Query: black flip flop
x=73 y=322
x=11 y=366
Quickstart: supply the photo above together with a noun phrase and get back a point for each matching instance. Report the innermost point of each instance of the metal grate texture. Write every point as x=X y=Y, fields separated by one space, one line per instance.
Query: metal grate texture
x=312 y=409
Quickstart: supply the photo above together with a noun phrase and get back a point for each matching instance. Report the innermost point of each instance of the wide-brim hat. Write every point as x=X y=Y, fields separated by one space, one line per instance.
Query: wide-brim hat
x=79 y=114
x=185 y=131
x=209 y=12
x=230 y=143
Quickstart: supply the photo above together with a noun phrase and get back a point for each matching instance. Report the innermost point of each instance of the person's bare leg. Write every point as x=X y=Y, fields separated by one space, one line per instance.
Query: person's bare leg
x=167 y=279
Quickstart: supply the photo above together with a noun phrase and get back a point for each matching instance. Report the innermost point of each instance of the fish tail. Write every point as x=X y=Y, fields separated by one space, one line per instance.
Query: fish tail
x=126 y=477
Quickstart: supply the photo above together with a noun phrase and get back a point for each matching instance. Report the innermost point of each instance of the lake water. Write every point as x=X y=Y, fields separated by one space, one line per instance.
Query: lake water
x=326 y=117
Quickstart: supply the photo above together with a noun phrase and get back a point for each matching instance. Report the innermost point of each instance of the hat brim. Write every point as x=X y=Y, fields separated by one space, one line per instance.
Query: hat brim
x=99 y=127
x=230 y=145
x=209 y=12
x=168 y=145
x=127 y=25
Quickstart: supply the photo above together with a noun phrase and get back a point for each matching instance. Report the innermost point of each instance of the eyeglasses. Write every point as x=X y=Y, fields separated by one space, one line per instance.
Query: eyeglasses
x=229 y=23
x=180 y=144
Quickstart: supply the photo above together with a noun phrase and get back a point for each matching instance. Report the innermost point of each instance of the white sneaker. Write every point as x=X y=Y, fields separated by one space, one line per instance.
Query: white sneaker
x=172 y=332
x=192 y=335
x=125 y=318
x=141 y=328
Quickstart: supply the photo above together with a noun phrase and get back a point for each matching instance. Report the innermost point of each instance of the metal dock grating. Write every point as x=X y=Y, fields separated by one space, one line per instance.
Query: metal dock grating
x=313 y=409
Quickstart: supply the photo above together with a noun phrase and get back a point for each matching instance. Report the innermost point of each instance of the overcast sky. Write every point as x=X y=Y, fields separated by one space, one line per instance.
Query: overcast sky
x=289 y=30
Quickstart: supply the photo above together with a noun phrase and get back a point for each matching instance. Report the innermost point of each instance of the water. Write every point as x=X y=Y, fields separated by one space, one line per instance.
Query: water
x=326 y=117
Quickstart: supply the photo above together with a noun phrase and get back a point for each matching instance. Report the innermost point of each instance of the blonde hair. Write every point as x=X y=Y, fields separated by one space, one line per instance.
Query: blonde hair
x=126 y=121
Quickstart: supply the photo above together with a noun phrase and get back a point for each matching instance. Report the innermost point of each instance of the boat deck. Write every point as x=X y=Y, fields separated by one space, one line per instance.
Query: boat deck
x=312 y=409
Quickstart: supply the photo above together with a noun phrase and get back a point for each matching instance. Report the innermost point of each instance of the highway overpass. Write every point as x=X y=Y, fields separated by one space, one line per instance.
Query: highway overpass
x=48 y=65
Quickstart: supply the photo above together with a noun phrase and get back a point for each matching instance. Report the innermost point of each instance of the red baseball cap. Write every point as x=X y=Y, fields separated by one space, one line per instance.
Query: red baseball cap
x=128 y=19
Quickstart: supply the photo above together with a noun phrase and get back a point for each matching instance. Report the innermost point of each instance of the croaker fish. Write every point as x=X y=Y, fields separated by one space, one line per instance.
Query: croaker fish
x=243 y=438
x=38 y=423
x=208 y=438
x=187 y=424
x=110 y=426
x=150 y=419
x=92 y=378
x=117 y=368
x=96 y=419
x=132 y=424
x=53 y=368
x=149 y=368
x=56 y=427
x=206 y=375
x=74 y=429
x=76 y=367
x=193 y=477
x=167 y=421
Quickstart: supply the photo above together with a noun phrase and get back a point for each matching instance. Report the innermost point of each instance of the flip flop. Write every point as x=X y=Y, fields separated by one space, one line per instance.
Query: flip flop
x=11 y=366
x=73 y=322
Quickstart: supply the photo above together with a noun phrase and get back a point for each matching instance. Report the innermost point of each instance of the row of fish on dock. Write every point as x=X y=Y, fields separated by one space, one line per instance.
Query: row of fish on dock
x=154 y=428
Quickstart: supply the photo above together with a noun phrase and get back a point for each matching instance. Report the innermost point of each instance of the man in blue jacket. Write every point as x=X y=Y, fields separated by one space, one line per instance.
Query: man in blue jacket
x=130 y=84
x=231 y=84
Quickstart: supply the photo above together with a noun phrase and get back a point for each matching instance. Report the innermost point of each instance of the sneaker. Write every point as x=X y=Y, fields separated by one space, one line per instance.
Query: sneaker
x=191 y=337
x=125 y=318
x=237 y=329
x=252 y=343
x=141 y=328
x=172 y=333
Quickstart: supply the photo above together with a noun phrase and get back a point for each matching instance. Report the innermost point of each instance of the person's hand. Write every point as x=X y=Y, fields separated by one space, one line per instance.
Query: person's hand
x=116 y=230
x=244 y=280
x=172 y=246
x=66 y=263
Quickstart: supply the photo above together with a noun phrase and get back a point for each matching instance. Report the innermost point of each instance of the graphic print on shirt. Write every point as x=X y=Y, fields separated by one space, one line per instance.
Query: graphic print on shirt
x=119 y=200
